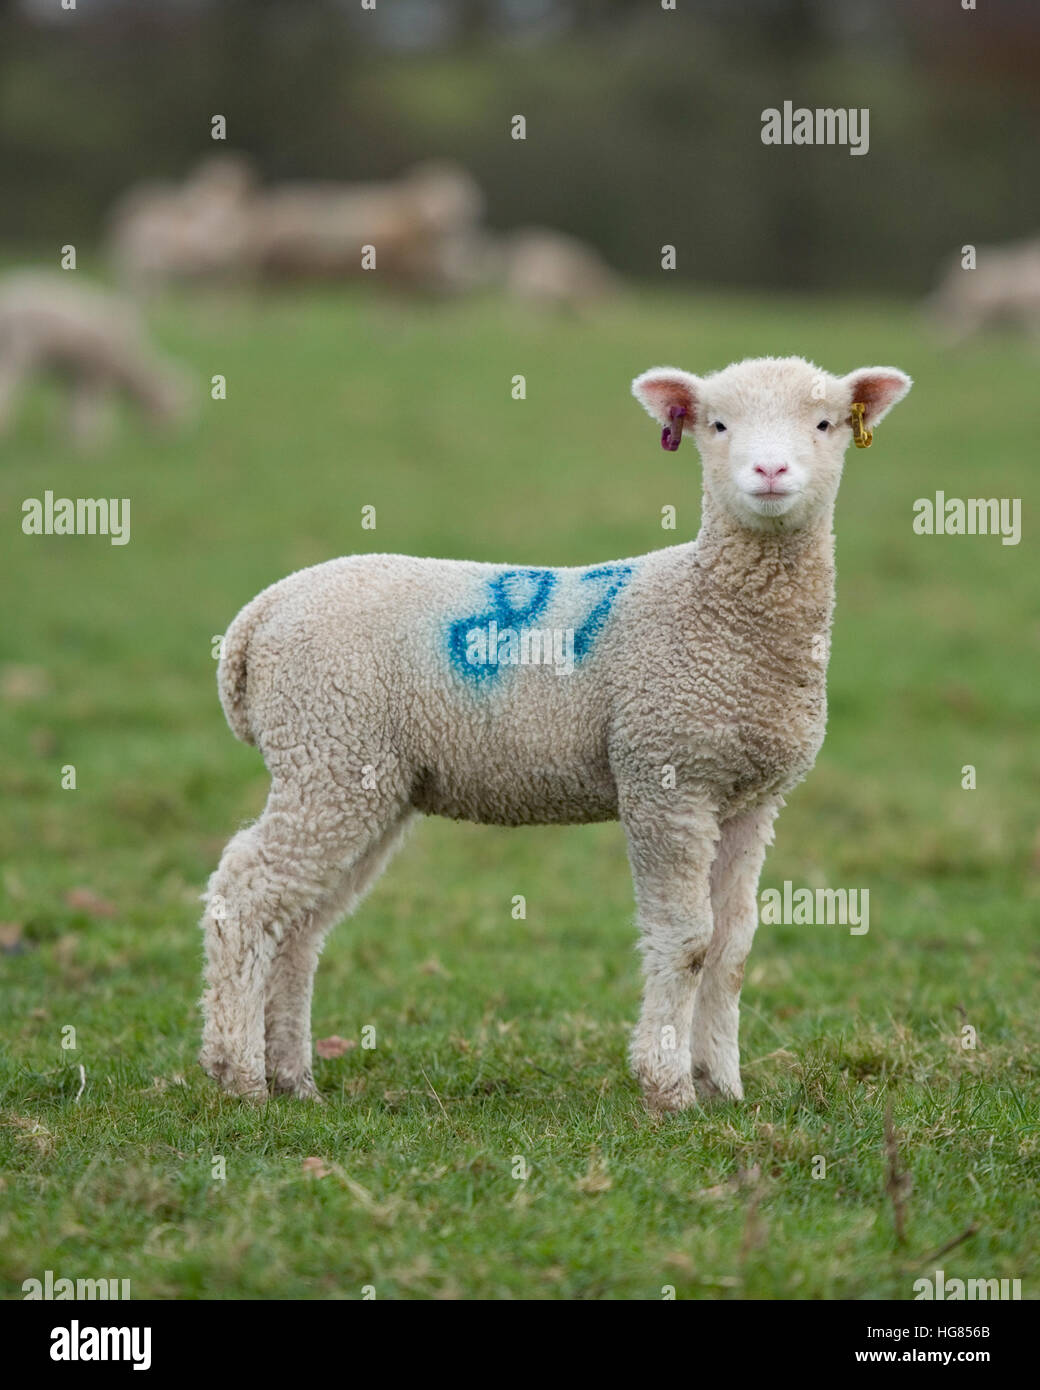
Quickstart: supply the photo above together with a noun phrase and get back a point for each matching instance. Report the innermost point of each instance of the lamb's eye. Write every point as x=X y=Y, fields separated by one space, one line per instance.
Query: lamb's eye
x=719 y=427
x=824 y=425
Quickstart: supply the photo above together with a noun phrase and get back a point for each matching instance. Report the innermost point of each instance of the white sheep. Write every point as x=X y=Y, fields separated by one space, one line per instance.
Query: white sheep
x=219 y=225
x=1001 y=290
x=681 y=692
x=194 y=231
x=421 y=225
x=93 y=341
x=552 y=270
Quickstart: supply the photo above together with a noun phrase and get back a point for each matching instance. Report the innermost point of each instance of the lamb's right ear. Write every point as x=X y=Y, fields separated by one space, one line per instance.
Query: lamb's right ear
x=670 y=395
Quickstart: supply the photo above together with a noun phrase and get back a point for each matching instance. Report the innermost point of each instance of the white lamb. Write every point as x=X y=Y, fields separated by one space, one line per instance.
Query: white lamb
x=681 y=692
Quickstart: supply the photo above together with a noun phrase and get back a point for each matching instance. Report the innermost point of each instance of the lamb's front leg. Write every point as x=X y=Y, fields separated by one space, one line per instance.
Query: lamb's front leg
x=671 y=852
x=714 y=1045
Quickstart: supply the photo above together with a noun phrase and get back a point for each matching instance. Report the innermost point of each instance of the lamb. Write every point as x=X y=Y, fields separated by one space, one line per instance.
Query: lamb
x=94 y=341
x=681 y=692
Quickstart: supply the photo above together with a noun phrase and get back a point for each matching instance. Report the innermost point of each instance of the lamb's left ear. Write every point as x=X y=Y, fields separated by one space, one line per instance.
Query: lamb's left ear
x=879 y=388
x=670 y=395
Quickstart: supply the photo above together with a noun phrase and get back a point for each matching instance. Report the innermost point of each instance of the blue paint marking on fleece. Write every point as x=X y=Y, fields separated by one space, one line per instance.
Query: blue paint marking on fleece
x=519 y=598
x=612 y=579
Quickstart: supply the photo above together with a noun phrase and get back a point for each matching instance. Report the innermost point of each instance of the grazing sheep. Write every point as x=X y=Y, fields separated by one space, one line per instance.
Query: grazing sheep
x=1003 y=289
x=93 y=341
x=681 y=692
x=549 y=269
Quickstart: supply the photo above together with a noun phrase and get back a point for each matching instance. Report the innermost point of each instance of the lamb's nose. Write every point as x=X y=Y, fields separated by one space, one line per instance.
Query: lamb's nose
x=771 y=471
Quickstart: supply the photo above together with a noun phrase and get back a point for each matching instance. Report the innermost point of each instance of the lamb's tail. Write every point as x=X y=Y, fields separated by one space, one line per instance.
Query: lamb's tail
x=233 y=672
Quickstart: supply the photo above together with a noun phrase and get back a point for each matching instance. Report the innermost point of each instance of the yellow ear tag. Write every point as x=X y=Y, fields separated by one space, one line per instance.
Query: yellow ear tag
x=861 y=436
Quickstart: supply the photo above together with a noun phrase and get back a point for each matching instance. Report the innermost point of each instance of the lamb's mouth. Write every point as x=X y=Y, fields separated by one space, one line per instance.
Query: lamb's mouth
x=771 y=502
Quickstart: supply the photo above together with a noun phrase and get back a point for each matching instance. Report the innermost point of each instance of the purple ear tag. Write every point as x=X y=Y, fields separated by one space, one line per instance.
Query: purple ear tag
x=671 y=435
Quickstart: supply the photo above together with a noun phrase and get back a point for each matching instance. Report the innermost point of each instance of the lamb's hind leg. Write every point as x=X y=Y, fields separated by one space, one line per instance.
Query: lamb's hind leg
x=273 y=876
x=243 y=904
x=714 y=1045
x=290 y=982
x=671 y=854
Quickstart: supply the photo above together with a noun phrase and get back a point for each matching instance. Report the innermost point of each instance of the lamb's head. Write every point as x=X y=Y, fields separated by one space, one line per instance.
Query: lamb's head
x=771 y=431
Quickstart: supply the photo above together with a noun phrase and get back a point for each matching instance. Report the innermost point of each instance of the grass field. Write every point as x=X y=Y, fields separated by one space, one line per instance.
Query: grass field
x=500 y=1039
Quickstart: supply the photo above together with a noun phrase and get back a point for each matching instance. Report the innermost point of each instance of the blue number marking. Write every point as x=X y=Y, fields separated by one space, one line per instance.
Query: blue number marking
x=614 y=578
x=516 y=598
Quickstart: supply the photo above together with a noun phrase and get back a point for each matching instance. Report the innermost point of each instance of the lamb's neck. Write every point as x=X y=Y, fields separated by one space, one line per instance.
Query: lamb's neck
x=772 y=569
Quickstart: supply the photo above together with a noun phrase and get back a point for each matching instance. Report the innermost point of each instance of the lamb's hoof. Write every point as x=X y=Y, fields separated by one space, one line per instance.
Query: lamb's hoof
x=711 y=1086
x=668 y=1096
x=235 y=1080
x=302 y=1088
x=244 y=1086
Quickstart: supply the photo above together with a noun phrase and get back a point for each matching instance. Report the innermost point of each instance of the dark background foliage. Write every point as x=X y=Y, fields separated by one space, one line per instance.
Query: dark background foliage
x=628 y=108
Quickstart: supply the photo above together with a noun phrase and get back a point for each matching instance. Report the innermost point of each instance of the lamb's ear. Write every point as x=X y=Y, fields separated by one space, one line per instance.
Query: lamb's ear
x=879 y=389
x=671 y=397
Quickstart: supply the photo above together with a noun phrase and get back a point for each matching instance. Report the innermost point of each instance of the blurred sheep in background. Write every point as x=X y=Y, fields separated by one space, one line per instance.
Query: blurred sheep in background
x=551 y=270
x=51 y=324
x=425 y=228
x=1002 y=290
x=162 y=232
x=414 y=224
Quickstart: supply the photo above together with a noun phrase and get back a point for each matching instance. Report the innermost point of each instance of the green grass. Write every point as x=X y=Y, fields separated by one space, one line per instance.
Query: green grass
x=500 y=1039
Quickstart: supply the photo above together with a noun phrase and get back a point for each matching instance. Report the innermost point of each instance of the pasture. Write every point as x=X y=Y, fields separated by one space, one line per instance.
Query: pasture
x=500 y=1043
